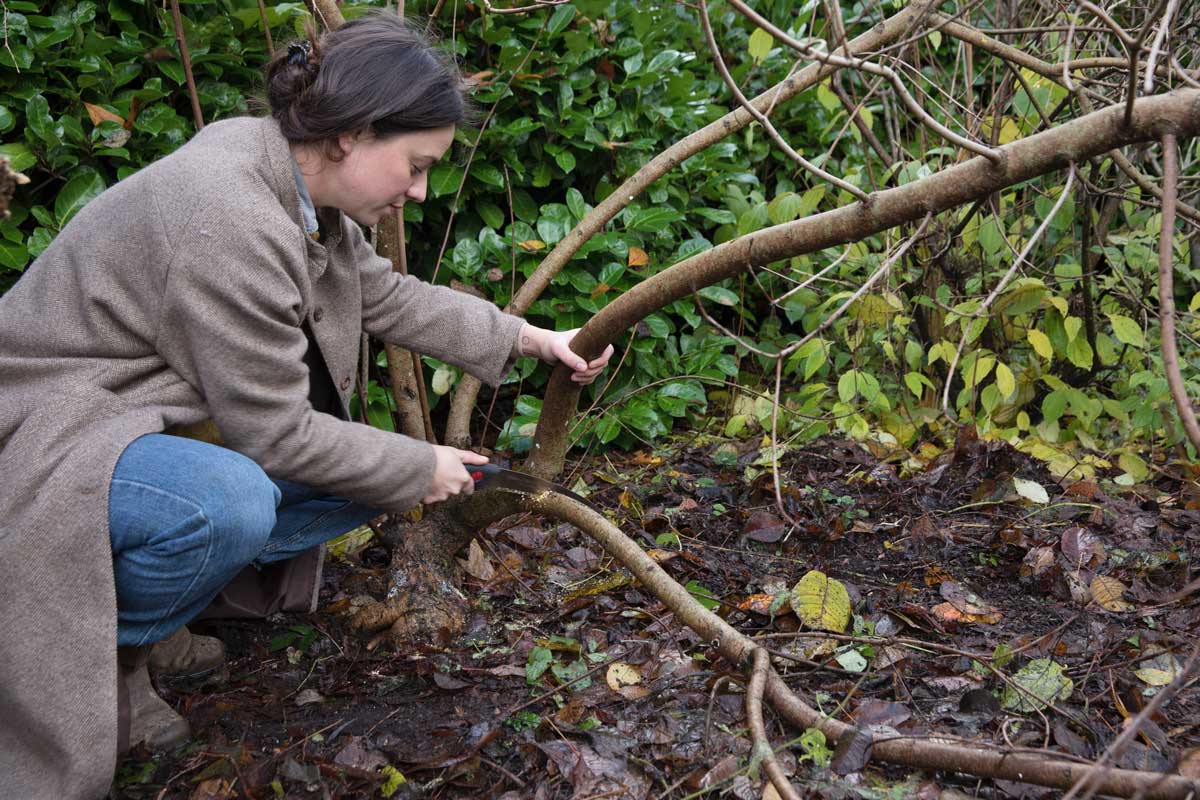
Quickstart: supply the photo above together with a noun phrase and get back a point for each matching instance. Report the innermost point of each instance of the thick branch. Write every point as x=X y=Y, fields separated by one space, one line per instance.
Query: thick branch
x=1166 y=291
x=458 y=425
x=1177 y=112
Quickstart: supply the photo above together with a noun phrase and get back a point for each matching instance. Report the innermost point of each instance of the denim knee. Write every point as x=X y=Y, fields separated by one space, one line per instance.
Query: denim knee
x=240 y=502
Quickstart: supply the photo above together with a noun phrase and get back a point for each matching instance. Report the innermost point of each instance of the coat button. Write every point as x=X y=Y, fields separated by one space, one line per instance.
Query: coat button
x=346 y=383
x=320 y=312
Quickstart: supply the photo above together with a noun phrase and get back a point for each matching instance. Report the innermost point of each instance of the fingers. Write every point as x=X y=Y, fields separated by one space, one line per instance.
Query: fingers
x=471 y=457
x=593 y=368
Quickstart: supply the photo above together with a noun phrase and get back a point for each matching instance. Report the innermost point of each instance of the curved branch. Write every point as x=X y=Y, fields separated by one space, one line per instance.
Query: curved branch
x=1166 y=291
x=758 y=731
x=458 y=424
x=937 y=754
x=1176 y=112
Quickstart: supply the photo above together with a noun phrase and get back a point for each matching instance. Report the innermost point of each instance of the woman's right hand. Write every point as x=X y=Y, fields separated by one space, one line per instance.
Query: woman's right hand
x=450 y=477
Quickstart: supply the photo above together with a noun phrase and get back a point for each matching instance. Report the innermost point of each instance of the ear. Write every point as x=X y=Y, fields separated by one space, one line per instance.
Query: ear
x=346 y=141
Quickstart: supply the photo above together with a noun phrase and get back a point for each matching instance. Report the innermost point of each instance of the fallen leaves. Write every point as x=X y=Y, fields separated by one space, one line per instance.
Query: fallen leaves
x=964 y=606
x=1159 y=671
x=1031 y=490
x=1108 y=593
x=821 y=602
x=1036 y=686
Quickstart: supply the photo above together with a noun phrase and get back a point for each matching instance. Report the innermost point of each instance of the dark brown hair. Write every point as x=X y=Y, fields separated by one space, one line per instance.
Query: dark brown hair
x=375 y=73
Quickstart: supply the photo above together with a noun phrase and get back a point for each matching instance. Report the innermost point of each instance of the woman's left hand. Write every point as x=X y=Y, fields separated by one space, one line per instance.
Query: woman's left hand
x=553 y=347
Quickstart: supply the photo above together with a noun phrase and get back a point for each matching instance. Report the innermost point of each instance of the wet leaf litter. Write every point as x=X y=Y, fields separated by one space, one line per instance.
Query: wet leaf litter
x=911 y=598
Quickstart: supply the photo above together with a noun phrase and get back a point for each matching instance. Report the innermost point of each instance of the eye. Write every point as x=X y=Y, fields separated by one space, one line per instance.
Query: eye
x=417 y=171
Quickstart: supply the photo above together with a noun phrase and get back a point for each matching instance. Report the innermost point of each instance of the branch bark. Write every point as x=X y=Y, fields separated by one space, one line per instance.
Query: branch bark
x=186 y=58
x=458 y=423
x=1166 y=291
x=1177 y=113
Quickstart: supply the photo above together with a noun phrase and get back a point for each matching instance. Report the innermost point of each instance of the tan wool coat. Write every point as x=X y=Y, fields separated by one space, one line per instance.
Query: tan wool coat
x=177 y=296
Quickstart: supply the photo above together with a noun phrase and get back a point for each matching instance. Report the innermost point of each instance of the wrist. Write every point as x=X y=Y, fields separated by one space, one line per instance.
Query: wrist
x=528 y=341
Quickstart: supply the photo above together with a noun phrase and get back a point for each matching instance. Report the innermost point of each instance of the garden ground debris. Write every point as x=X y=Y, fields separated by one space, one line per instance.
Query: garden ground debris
x=976 y=613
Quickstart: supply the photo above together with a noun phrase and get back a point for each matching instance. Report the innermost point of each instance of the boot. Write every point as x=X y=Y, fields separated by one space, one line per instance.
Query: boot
x=186 y=654
x=151 y=721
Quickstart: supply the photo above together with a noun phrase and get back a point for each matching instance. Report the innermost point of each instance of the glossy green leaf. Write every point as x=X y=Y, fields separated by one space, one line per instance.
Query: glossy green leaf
x=80 y=189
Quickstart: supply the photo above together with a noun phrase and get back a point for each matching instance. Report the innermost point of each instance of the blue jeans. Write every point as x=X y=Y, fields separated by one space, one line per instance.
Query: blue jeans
x=186 y=516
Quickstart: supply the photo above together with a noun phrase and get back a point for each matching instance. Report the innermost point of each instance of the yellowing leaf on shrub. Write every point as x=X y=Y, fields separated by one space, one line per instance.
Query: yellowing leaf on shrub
x=1127 y=330
x=1041 y=343
x=821 y=602
x=638 y=257
x=1134 y=466
x=761 y=43
x=532 y=245
x=1031 y=490
x=1038 y=684
x=1006 y=382
x=1108 y=594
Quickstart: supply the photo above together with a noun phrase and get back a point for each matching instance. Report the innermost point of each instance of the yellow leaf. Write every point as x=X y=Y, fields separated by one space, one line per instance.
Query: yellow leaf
x=532 y=245
x=638 y=257
x=1107 y=593
x=821 y=603
x=1159 y=671
x=621 y=674
x=1041 y=343
x=1006 y=383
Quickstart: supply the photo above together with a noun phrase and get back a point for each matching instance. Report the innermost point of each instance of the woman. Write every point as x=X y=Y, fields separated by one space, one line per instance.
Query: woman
x=224 y=287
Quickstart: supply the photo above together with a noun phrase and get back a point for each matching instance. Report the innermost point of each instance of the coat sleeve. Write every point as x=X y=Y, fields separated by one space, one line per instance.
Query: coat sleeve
x=230 y=326
x=434 y=320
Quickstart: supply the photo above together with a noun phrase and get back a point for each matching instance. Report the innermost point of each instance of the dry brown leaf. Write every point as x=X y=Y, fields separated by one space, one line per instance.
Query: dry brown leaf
x=969 y=603
x=100 y=114
x=761 y=604
x=1082 y=548
x=1108 y=593
x=1037 y=561
x=936 y=575
x=478 y=565
x=638 y=257
x=947 y=612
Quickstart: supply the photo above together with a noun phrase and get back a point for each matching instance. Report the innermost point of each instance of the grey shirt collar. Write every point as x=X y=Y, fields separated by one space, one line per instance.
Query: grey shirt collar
x=307 y=210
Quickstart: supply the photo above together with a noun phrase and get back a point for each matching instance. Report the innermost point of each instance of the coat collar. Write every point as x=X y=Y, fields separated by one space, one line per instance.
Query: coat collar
x=282 y=178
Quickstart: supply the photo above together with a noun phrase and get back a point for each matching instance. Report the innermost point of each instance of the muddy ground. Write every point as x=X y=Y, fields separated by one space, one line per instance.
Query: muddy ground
x=1047 y=625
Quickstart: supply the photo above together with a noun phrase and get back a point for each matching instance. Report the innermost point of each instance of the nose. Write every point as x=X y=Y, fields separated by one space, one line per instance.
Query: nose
x=416 y=192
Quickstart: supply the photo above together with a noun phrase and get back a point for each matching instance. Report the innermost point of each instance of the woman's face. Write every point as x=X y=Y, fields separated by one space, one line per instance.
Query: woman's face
x=379 y=175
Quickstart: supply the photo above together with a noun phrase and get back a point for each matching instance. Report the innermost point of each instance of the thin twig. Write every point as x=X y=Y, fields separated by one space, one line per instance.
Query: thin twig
x=1008 y=276
x=187 y=64
x=993 y=155
x=762 y=118
x=1168 y=15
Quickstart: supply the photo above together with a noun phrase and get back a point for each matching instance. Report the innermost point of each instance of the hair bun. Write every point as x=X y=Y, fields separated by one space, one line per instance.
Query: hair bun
x=290 y=74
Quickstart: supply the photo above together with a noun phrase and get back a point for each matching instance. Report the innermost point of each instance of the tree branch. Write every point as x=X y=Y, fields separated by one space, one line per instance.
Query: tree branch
x=1177 y=112
x=458 y=424
x=1166 y=291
